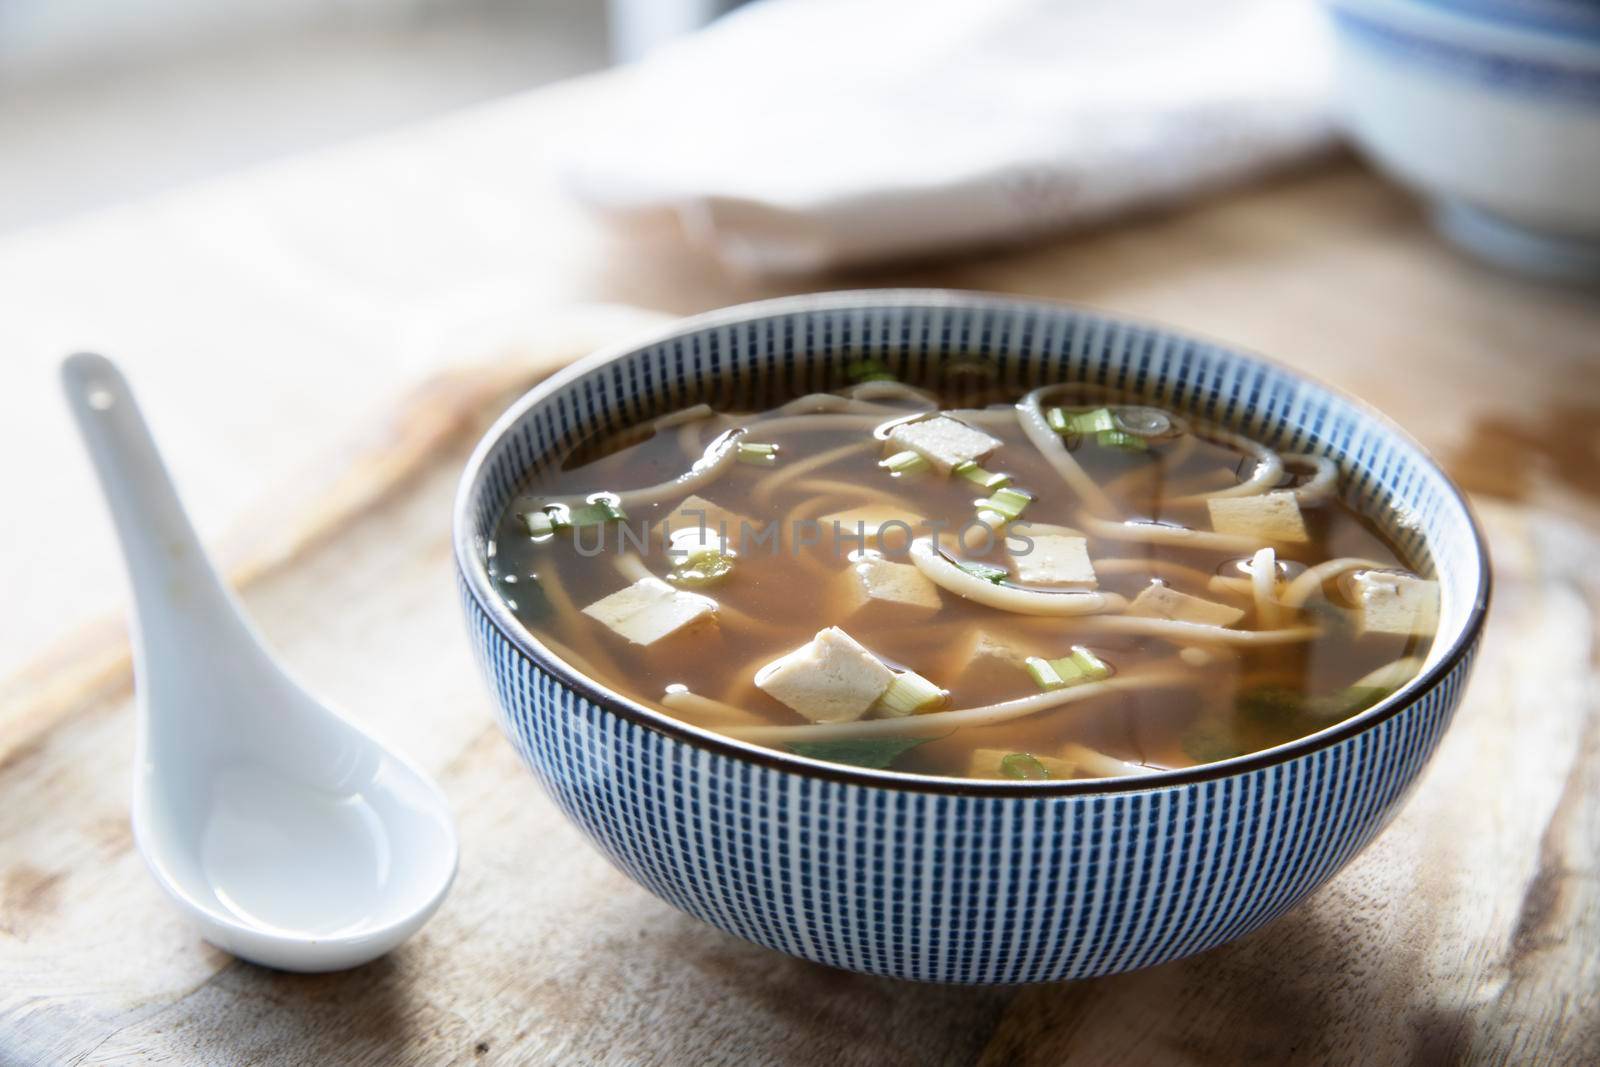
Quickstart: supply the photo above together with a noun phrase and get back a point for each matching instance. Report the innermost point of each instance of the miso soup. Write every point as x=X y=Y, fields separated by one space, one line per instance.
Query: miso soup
x=966 y=582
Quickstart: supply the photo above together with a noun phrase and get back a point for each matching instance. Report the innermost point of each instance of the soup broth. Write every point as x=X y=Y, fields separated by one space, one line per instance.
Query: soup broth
x=967 y=582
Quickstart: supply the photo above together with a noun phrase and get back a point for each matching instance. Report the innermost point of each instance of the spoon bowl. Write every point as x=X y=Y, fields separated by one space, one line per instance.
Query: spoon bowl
x=291 y=837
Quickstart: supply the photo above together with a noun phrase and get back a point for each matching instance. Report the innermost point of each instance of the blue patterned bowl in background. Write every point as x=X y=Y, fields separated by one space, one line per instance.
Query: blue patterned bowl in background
x=954 y=880
x=1491 y=109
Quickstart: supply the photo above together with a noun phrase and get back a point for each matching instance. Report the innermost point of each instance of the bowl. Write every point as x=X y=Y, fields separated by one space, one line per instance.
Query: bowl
x=1490 y=109
x=954 y=880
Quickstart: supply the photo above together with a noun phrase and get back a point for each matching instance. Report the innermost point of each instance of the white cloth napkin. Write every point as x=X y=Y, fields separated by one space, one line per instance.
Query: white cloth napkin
x=797 y=135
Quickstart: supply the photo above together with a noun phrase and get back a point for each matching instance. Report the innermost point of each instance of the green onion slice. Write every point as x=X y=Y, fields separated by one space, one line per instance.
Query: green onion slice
x=1118 y=439
x=702 y=568
x=759 y=455
x=1044 y=673
x=908 y=694
x=1081 y=666
x=1023 y=767
x=987 y=571
x=987 y=479
x=558 y=517
x=1097 y=420
x=907 y=462
x=1091 y=665
x=594 y=514
x=1010 y=502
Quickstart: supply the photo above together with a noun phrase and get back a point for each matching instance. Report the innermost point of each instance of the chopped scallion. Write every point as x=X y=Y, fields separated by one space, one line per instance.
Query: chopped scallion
x=594 y=514
x=1090 y=664
x=1009 y=502
x=988 y=572
x=988 y=479
x=1043 y=672
x=760 y=455
x=907 y=462
x=1132 y=442
x=1023 y=767
x=1081 y=666
x=1098 y=420
x=702 y=568
x=908 y=694
x=707 y=572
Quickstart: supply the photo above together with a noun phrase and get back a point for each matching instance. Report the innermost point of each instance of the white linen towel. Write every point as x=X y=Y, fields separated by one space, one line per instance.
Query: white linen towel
x=799 y=135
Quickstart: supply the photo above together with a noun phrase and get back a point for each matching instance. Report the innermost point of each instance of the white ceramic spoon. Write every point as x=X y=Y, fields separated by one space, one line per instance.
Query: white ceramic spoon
x=291 y=837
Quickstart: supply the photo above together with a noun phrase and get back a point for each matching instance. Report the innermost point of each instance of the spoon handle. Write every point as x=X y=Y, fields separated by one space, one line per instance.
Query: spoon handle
x=184 y=610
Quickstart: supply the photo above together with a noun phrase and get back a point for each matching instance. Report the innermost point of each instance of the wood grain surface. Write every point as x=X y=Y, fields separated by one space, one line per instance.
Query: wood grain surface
x=1468 y=932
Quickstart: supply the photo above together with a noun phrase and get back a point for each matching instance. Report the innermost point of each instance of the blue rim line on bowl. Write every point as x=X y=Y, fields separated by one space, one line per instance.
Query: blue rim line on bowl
x=476 y=579
x=1478 y=64
x=1563 y=19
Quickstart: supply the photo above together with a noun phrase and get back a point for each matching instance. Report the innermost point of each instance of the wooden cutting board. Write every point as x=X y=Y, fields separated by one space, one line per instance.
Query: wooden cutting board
x=1467 y=931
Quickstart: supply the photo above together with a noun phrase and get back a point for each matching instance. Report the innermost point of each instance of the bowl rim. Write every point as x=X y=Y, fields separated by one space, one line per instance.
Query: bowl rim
x=476 y=578
x=1492 y=27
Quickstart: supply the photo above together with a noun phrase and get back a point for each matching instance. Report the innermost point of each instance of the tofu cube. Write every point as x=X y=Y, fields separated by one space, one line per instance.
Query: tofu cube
x=1055 y=559
x=985 y=657
x=984 y=647
x=868 y=527
x=874 y=584
x=987 y=763
x=943 y=441
x=649 y=610
x=1270 y=516
x=1164 y=602
x=716 y=518
x=1393 y=603
x=832 y=678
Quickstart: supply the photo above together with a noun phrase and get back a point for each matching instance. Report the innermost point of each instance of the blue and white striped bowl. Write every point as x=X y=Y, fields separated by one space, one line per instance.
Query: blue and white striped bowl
x=952 y=880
